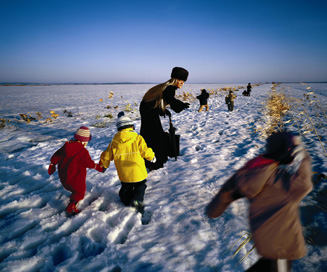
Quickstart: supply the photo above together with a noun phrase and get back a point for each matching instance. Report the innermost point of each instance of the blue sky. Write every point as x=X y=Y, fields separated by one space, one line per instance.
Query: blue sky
x=97 y=41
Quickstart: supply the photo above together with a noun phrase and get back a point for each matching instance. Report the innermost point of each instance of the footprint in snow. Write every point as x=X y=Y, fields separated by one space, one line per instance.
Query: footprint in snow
x=146 y=217
x=124 y=226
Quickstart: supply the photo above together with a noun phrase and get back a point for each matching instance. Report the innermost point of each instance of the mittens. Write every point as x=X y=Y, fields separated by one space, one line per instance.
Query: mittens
x=51 y=169
x=154 y=159
x=100 y=168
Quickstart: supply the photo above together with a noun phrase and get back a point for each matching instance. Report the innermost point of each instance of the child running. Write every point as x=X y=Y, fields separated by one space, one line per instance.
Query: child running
x=73 y=159
x=128 y=150
x=203 y=97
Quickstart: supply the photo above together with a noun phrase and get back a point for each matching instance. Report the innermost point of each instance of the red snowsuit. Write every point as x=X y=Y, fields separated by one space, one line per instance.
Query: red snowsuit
x=73 y=159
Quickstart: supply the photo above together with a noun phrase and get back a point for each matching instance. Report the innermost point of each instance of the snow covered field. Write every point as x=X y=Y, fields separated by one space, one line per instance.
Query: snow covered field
x=36 y=235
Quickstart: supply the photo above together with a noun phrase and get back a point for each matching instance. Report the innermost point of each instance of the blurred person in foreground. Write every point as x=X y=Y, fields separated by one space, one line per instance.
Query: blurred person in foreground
x=274 y=183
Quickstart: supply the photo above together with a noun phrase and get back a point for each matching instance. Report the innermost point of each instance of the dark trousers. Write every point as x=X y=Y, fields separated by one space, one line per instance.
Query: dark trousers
x=231 y=106
x=131 y=191
x=268 y=265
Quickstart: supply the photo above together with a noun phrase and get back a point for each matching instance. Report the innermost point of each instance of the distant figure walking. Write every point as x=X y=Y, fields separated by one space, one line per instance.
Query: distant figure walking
x=153 y=105
x=230 y=100
x=248 y=89
x=245 y=93
x=274 y=183
x=203 y=98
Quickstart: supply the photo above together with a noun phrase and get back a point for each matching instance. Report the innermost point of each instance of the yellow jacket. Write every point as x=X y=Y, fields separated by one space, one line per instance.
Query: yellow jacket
x=128 y=150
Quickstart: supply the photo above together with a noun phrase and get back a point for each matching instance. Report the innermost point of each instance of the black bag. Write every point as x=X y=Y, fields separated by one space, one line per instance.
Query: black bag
x=172 y=141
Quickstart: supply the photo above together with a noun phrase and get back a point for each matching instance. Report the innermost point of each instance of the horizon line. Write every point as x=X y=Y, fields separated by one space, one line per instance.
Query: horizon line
x=127 y=82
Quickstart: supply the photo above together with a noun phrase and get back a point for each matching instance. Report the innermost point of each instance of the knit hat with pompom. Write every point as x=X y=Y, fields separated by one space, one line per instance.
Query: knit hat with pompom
x=83 y=134
x=123 y=121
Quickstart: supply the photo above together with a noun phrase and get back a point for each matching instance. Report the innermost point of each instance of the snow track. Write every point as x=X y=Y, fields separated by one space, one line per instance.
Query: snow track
x=36 y=234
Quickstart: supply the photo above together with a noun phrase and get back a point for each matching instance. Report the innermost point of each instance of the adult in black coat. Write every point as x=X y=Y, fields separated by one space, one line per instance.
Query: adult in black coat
x=153 y=106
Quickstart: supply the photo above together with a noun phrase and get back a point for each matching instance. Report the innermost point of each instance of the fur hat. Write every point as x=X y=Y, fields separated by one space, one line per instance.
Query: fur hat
x=83 y=134
x=179 y=73
x=123 y=121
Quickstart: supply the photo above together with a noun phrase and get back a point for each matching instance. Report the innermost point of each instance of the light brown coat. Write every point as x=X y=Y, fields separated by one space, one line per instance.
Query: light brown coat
x=274 y=197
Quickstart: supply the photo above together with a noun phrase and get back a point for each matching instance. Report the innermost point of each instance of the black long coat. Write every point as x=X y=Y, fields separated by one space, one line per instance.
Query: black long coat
x=151 y=128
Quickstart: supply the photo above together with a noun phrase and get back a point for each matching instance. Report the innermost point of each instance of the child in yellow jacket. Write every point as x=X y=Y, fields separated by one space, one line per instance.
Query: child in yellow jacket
x=128 y=150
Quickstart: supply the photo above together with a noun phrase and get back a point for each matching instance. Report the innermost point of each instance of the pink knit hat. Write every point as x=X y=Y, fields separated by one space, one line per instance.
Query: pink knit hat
x=83 y=134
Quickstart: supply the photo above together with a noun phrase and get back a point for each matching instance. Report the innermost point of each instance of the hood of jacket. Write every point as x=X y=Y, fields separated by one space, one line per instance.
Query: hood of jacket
x=124 y=138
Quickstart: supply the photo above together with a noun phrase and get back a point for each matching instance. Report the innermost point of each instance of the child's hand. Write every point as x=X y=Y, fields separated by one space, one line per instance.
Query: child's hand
x=154 y=159
x=100 y=168
x=51 y=169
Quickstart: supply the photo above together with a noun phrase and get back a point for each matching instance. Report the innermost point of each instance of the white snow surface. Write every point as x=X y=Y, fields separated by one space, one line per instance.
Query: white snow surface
x=36 y=234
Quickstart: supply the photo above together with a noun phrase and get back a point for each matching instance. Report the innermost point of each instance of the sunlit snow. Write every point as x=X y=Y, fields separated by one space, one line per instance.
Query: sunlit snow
x=36 y=234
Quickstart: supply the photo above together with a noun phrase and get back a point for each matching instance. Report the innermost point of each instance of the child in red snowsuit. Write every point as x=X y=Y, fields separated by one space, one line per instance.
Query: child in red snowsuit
x=73 y=159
